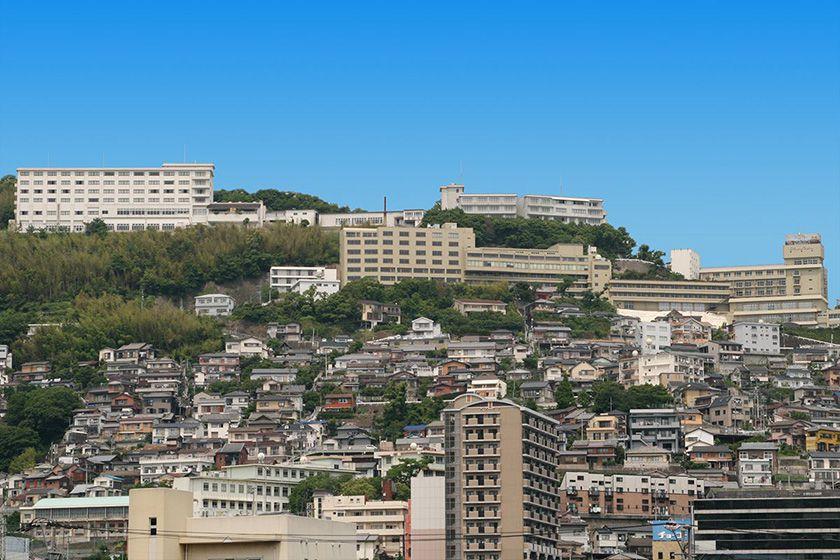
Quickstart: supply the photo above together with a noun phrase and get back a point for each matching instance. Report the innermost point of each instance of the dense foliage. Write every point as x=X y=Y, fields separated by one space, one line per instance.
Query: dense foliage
x=521 y=232
x=279 y=200
x=15 y=440
x=7 y=200
x=609 y=395
x=823 y=334
x=53 y=267
x=93 y=323
x=398 y=413
x=45 y=411
x=341 y=312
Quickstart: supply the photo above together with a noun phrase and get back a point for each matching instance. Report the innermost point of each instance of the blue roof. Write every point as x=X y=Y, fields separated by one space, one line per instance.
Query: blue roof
x=415 y=428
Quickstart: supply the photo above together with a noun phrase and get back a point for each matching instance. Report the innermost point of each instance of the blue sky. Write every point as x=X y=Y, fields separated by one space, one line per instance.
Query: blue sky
x=712 y=125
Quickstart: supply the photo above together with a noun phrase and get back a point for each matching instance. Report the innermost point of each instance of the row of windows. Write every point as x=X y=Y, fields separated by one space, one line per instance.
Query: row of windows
x=106 y=200
x=111 y=173
x=63 y=182
x=104 y=191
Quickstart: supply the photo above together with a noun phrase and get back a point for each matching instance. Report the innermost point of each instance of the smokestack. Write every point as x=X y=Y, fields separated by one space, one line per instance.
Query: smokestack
x=384 y=210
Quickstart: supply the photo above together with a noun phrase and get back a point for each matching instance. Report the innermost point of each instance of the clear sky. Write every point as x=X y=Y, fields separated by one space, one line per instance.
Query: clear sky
x=712 y=125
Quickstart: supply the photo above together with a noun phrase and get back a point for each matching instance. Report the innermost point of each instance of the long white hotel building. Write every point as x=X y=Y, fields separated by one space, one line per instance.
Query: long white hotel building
x=126 y=199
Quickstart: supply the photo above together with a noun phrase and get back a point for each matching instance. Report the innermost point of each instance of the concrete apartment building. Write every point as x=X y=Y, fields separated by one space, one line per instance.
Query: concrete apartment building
x=757 y=337
x=126 y=199
x=427 y=525
x=546 y=207
x=686 y=262
x=794 y=291
x=383 y=519
x=653 y=336
x=214 y=305
x=448 y=254
x=162 y=527
x=300 y=278
x=767 y=524
x=628 y=494
x=501 y=480
x=670 y=368
x=251 y=489
x=757 y=462
x=659 y=427
x=391 y=254
x=94 y=519
x=667 y=295
x=588 y=270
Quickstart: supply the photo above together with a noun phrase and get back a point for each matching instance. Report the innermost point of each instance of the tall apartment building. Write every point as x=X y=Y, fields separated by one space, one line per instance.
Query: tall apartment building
x=126 y=199
x=502 y=487
x=666 y=295
x=628 y=494
x=795 y=291
x=384 y=519
x=686 y=262
x=391 y=254
x=566 y=209
x=767 y=524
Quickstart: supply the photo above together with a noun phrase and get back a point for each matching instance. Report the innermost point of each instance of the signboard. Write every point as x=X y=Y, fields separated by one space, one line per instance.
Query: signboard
x=671 y=529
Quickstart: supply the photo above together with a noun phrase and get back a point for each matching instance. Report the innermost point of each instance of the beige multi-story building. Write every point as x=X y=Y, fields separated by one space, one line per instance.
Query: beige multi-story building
x=448 y=253
x=384 y=519
x=567 y=209
x=126 y=199
x=665 y=295
x=391 y=254
x=501 y=481
x=794 y=291
x=583 y=266
x=641 y=495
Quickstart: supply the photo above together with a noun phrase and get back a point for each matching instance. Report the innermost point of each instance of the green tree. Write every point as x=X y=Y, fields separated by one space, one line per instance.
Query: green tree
x=371 y=488
x=14 y=440
x=96 y=227
x=301 y=494
x=406 y=469
x=25 y=461
x=47 y=411
x=564 y=393
x=7 y=200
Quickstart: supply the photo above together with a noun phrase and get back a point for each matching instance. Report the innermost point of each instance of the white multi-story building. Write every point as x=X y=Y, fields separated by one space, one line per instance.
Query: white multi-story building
x=653 y=336
x=249 y=489
x=670 y=368
x=126 y=199
x=300 y=279
x=383 y=518
x=152 y=468
x=547 y=207
x=757 y=337
x=757 y=462
x=686 y=262
x=214 y=305
x=395 y=218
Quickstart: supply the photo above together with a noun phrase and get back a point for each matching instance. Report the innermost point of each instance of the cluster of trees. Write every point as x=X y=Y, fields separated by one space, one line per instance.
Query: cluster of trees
x=524 y=233
x=398 y=413
x=35 y=418
x=276 y=200
x=7 y=200
x=609 y=395
x=341 y=312
x=38 y=268
x=93 y=323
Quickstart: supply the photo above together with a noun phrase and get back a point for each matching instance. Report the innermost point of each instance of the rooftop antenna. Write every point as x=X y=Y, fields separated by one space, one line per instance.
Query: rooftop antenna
x=384 y=210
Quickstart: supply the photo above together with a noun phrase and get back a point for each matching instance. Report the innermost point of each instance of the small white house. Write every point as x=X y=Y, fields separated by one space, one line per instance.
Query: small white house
x=248 y=347
x=425 y=328
x=214 y=305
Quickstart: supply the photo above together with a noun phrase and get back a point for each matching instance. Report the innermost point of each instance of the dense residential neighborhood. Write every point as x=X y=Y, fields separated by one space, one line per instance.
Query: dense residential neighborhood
x=413 y=381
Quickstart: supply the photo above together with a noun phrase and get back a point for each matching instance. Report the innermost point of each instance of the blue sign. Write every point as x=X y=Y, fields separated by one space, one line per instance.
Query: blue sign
x=671 y=529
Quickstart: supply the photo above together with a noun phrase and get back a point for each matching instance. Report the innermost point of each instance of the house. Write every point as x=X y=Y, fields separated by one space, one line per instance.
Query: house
x=606 y=426
x=290 y=332
x=467 y=306
x=655 y=426
x=375 y=313
x=5 y=358
x=718 y=457
x=471 y=351
x=698 y=437
x=757 y=463
x=585 y=373
x=488 y=386
x=822 y=438
x=248 y=347
x=230 y=454
x=214 y=305
x=552 y=334
x=134 y=353
x=423 y=327
x=337 y=402
x=538 y=391
x=217 y=366
x=647 y=457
